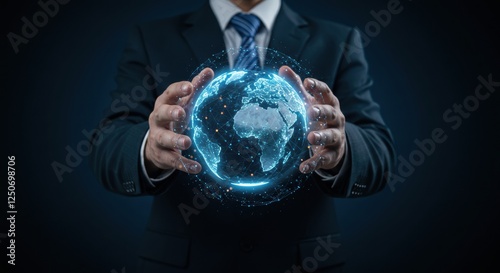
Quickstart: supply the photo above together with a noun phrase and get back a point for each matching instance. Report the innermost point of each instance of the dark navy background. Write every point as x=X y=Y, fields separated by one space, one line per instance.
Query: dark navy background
x=443 y=218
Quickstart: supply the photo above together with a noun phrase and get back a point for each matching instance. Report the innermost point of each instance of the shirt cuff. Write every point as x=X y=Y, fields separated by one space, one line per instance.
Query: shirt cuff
x=328 y=177
x=164 y=175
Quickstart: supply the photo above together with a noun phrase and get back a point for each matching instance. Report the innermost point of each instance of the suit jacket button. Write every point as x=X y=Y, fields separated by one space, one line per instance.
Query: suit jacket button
x=246 y=245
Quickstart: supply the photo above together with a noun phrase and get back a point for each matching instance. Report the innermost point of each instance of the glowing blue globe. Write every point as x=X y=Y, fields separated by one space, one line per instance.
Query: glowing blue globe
x=249 y=133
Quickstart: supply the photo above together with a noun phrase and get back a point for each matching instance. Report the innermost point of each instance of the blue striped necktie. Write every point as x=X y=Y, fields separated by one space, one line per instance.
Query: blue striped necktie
x=247 y=26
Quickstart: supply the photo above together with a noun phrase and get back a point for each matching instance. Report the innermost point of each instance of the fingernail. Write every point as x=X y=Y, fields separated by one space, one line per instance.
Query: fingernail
x=175 y=113
x=185 y=88
x=317 y=138
x=181 y=143
x=317 y=112
x=194 y=168
x=305 y=168
x=312 y=83
x=180 y=114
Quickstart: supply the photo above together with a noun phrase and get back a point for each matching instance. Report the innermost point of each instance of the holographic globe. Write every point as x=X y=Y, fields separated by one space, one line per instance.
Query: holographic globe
x=249 y=133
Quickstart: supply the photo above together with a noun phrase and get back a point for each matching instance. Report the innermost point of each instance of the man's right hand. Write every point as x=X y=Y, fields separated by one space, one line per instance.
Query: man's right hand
x=167 y=122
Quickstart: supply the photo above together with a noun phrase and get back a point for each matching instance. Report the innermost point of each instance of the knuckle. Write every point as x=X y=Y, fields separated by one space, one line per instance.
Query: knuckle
x=341 y=118
x=174 y=142
x=335 y=100
x=159 y=139
x=151 y=118
x=151 y=137
x=159 y=99
x=323 y=112
x=157 y=116
x=162 y=109
x=165 y=112
x=330 y=137
x=168 y=90
x=323 y=86
x=322 y=159
x=332 y=113
x=335 y=136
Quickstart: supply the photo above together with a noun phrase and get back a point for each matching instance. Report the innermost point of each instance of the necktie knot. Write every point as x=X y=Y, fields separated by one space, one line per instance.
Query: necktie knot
x=246 y=25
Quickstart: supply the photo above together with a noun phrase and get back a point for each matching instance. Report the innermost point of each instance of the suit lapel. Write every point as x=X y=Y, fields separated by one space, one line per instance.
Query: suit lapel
x=205 y=38
x=203 y=34
x=289 y=34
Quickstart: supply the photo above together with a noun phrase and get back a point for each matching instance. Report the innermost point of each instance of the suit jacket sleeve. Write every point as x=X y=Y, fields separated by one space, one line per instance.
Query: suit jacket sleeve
x=115 y=157
x=370 y=146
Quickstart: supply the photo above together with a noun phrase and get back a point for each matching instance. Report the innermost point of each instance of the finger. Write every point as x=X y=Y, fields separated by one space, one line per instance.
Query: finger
x=327 y=137
x=166 y=113
x=320 y=91
x=199 y=82
x=168 y=159
x=322 y=159
x=203 y=78
x=179 y=126
x=167 y=139
x=323 y=113
x=291 y=77
x=174 y=93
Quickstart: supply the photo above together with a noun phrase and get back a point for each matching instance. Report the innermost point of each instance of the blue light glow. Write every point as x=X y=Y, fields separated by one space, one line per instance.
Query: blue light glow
x=254 y=184
x=249 y=133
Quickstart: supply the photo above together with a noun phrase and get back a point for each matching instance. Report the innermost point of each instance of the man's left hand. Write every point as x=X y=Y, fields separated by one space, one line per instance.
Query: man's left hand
x=326 y=122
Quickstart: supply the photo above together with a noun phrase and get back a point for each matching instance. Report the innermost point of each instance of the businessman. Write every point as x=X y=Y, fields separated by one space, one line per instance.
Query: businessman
x=141 y=151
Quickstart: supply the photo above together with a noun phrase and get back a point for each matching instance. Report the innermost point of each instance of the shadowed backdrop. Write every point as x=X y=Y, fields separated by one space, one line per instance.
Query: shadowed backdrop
x=438 y=215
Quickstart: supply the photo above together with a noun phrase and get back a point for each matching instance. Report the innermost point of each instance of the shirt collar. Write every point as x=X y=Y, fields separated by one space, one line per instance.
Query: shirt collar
x=267 y=10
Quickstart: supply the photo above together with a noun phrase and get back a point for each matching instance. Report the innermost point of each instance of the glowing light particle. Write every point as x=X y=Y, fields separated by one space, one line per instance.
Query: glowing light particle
x=254 y=157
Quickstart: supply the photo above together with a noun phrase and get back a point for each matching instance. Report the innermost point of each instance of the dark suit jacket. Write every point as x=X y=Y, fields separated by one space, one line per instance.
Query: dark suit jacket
x=301 y=230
